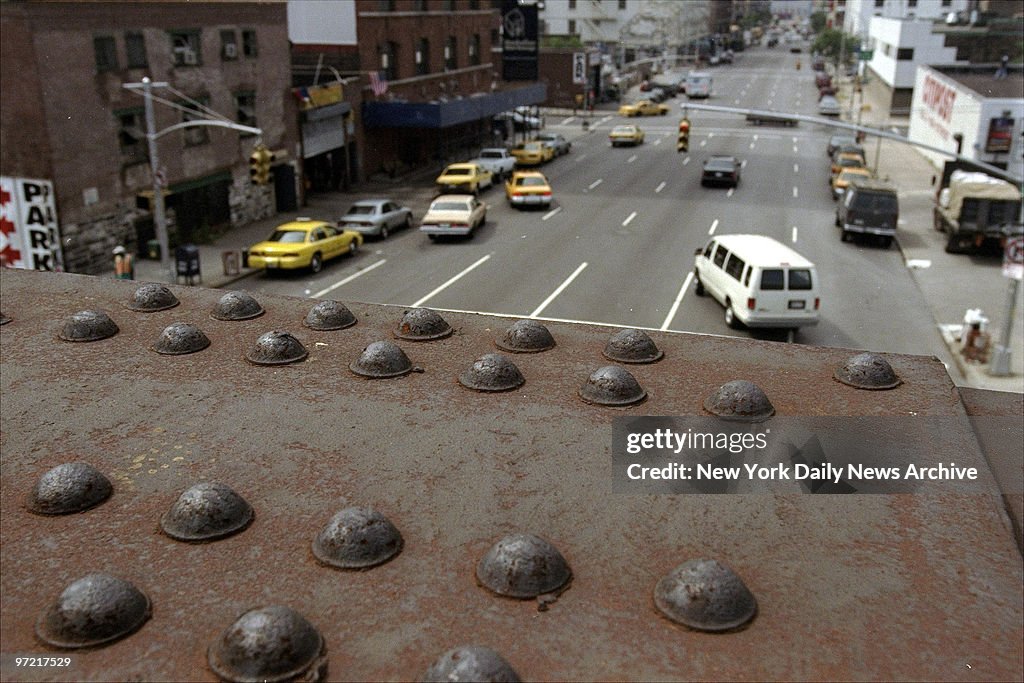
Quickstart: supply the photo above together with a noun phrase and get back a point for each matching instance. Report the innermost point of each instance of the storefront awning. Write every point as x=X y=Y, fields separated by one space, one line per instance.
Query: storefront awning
x=451 y=113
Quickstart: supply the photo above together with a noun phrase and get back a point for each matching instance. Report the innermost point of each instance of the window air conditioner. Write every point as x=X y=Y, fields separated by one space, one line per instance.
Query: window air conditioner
x=231 y=50
x=189 y=57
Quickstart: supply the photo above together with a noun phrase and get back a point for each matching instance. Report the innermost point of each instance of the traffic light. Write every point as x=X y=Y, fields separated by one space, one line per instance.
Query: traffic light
x=683 y=144
x=259 y=165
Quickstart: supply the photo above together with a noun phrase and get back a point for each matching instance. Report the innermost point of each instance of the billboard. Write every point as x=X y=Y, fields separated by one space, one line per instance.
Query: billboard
x=1000 y=135
x=29 y=234
x=519 y=41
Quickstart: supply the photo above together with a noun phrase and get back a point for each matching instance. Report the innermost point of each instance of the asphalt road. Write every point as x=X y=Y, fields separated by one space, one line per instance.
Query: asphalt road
x=617 y=245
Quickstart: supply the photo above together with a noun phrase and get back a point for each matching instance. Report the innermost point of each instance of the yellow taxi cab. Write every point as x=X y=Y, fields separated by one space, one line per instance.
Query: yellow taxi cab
x=303 y=243
x=532 y=153
x=643 y=108
x=528 y=188
x=465 y=177
x=626 y=135
x=843 y=160
x=845 y=177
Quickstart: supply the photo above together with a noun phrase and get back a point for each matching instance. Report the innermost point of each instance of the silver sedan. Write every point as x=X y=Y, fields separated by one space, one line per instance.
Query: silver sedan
x=376 y=217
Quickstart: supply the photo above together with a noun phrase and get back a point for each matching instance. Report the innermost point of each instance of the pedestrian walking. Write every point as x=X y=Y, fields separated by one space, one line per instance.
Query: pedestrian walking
x=124 y=265
x=1003 y=70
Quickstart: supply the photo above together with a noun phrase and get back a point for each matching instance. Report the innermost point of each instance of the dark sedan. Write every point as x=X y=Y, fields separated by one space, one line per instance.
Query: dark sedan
x=721 y=170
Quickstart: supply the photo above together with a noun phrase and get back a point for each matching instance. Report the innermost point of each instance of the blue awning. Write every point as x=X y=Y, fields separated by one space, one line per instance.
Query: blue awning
x=452 y=112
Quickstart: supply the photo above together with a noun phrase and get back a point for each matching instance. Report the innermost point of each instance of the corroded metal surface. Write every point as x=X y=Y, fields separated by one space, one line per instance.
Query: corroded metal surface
x=848 y=587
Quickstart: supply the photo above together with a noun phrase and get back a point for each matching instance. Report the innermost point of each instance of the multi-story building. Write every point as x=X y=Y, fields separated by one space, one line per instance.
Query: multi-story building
x=66 y=116
x=859 y=12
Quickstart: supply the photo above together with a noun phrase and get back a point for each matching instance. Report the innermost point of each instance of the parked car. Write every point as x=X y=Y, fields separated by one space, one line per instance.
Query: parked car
x=498 y=160
x=377 y=217
x=845 y=177
x=829 y=106
x=528 y=188
x=303 y=243
x=721 y=170
x=532 y=153
x=839 y=140
x=455 y=215
x=626 y=135
x=643 y=108
x=520 y=121
x=464 y=177
x=869 y=208
x=847 y=157
x=556 y=141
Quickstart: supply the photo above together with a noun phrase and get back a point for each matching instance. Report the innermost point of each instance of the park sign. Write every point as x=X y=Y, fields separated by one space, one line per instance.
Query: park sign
x=29 y=234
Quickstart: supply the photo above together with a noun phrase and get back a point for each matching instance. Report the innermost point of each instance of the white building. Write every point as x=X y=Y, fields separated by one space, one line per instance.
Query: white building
x=970 y=101
x=857 y=18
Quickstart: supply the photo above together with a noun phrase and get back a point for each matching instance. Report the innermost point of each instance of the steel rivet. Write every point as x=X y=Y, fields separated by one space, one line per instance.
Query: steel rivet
x=69 y=487
x=380 y=360
x=523 y=566
x=273 y=643
x=492 y=372
x=237 y=306
x=612 y=386
x=526 y=336
x=87 y=326
x=329 y=315
x=632 y=346
x=422 y=324
x=705 y=595
x=470 y=663
x=152 y=297
x=206 y=512
x=357 y=538
x=276 y=348
x=94 y=610
x=741 y=401
x=4 y=319
x=868 y=371
x=181 y=338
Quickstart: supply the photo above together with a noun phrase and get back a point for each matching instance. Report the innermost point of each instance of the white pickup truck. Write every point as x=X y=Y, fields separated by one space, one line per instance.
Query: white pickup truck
x=497 y=160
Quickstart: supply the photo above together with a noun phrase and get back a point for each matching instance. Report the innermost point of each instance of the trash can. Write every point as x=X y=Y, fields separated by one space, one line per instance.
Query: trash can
x=153 y=249
x=186 y=263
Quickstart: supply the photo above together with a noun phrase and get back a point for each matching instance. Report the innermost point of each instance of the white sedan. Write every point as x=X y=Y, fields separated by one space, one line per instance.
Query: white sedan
x=454 y=214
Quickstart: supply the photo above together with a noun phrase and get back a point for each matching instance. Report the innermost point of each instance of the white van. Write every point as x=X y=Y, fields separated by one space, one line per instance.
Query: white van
x=761 y=282
x=698 y=84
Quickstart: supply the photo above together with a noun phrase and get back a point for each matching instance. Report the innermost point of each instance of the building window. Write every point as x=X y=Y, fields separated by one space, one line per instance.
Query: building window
x=245 y=106
x=451 y=54
x=879 y=4
x=198 y=135
x=185 y=46
x=474 y=4
x=474 y=50
x=228 y=45
x=911 y=4
x=622 y=4
x=423 y=57
x=572 y=4
x=419 y=6
x=249 y=47
x=131 y=135
x=448 y=6
x=135 y=50
x=947 y=3
x=905 y=54
x=385 y=5
x=389 y=61
x=572 y=27
x=106 y=53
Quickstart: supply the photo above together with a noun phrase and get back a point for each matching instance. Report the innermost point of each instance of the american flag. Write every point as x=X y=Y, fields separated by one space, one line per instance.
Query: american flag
x=378 y=83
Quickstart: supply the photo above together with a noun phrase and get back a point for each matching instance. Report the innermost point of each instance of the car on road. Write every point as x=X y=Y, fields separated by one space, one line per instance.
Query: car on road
x=626 y=135
x=532 y=153
x=377 y=217
x=847 y=157
x=845 y=177
x=528 y=188
x=829 y=106
x=870 y=208
x=556 y=141
x=454 y=215
x=497 y=160
x=521 y=120
x=464 y=177
x=643 y=108
x=721 y=170
x=303 y=243
x=837 y=141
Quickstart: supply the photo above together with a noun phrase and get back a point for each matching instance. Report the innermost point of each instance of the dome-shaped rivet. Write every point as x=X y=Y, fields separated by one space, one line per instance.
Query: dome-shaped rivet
x=470 y=663
x=180 y=338
x=422 y=324
x=523 y=566
x=380 y=360
x=868 y=371
x=741 y=401
x=329 y=315
x=632 y=346
x=356 y=538
x=526 y=336
x=94 y=610
x=152 y=297
x=70 y=487
x=206 y=512
x=272 y=643
x=612 y=386
x=276 y=348
x=237 y=306
x=87 y=326
x=4 y=319
x=705 y=595
x=492 y=372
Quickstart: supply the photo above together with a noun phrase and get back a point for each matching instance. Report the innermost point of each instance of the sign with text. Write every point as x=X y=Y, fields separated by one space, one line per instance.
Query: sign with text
x=1000 y=135
x=29 y=234
x=1013 y=258
x=579 y=68
x=519 y=40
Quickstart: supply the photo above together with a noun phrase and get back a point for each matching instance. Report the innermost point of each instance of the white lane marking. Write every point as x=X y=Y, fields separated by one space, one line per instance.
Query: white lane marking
x=660 y=187
x=679 y=300
x=631 y=159
x=704 y=143
x=349 y=279
x=629 y=219
x=713 y=226
x=731 y=190
x=736 y=101
x=581 y=157
x=711 y=135
x=743 y=164
x=752 y=145
x=794 y=149
x=686 y=161
x=451 y=281
x=658 y=141
x=794 y=139
x=595 y=183
x=794 y=233
x=551 y=213
x=755 y=137
x=919 y=263
x=794 y=191
x=558 y=291
x=796 y=168
x=566 y=122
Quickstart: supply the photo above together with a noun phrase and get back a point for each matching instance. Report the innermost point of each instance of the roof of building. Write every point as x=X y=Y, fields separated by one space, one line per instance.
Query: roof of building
x=981 y=79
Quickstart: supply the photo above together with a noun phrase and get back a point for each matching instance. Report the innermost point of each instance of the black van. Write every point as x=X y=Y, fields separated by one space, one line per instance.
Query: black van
x=869 y=207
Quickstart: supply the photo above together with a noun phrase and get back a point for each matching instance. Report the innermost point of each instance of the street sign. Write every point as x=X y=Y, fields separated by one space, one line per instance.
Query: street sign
x=579 y=68
x=1013 y=258
x=865 y=55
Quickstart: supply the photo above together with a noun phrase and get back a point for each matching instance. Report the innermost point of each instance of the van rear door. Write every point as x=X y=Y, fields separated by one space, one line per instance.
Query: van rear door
x=786 y=294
